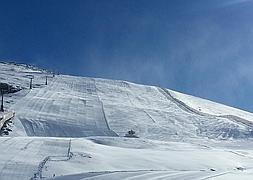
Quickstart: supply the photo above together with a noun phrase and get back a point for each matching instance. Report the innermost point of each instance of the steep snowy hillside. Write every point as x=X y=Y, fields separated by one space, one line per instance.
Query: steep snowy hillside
x=80 y=124
x=76 y=107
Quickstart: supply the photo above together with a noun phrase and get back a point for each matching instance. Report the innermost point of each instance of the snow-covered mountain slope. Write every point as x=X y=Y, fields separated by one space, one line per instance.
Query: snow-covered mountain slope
x=68 y=107
x=204 y=106
x=181 y=136
x=76 y=107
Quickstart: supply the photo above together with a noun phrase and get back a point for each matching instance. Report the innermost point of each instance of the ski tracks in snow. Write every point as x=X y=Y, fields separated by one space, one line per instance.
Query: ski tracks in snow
x=143 y=174
x=191 y=110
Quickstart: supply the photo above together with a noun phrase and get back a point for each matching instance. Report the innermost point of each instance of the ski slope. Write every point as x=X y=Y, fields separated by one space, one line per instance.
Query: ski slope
x=159 y=159
x=65 y=108
x=79 y=107
x=74 y=128
x=108 y=158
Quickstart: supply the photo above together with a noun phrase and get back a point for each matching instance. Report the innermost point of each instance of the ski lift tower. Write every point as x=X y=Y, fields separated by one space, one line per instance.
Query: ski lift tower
x=31 y=77
x=48 y=77
x=46 y=80
x=2 y=101
x=3 y=88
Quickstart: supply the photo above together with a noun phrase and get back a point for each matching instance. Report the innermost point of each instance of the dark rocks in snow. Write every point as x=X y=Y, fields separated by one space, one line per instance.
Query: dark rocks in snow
x=240 y=168
x=131 y=134
x=7 y=88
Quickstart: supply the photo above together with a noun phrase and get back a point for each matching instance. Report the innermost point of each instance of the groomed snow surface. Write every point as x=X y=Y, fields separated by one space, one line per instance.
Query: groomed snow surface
x=74 y=128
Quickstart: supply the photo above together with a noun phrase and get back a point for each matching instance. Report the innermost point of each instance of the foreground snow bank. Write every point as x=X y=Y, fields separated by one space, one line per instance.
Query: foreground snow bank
x=111 y=158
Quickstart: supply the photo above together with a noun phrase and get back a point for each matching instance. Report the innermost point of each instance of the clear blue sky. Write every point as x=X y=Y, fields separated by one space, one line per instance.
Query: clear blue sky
x=199 y=47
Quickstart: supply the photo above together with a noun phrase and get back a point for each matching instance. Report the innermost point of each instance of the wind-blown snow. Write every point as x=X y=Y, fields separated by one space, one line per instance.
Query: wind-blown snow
x=180 y=136
x=210 y=107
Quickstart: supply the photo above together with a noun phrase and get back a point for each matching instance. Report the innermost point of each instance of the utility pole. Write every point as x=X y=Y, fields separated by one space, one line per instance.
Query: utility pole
x=31 y=77
x=46 y=80
x=31 y=83
x=2 y=101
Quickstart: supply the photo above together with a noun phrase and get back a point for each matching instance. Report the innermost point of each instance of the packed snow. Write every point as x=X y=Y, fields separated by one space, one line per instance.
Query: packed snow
x=210 y=107
x=74 y=128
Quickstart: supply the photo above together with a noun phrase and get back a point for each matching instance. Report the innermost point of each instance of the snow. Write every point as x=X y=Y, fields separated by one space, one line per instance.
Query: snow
x=210 y=107
x=65 y=108
x=74 y=128
x=111 y=159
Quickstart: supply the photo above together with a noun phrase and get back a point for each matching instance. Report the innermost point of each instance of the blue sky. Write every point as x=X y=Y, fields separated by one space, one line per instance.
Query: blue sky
x=199 y=47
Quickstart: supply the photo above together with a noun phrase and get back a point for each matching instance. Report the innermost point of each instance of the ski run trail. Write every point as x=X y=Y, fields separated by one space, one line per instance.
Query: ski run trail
x=74 y=128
